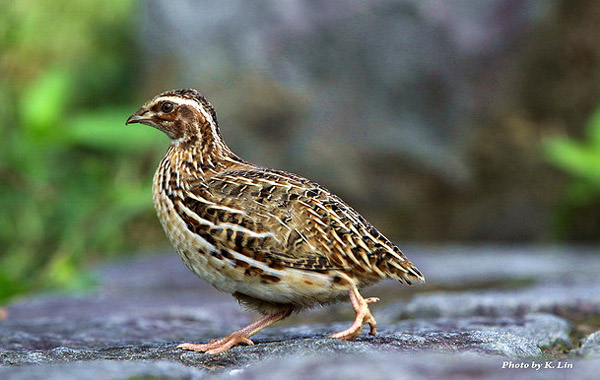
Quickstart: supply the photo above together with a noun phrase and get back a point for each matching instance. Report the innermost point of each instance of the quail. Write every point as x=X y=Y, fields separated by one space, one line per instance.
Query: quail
x=278 y=242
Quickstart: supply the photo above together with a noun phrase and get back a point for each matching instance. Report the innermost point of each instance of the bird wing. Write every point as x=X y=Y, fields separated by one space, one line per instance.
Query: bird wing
x=287 y=220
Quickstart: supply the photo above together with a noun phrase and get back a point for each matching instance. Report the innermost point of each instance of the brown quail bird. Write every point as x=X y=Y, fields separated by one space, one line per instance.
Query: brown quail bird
x=277 y=242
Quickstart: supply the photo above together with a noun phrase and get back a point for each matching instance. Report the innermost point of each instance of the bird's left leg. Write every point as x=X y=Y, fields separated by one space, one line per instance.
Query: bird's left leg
x=241 y=336
x=363 y=315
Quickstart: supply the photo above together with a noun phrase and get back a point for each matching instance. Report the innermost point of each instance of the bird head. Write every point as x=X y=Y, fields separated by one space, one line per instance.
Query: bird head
x=184 y=115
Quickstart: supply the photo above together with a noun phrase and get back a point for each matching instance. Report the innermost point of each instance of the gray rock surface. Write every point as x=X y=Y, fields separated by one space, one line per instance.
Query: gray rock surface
x=390 y=366
x=105 y=369
x=562 y=300
x=130 y=325
x=590 y=346
x=51 y=340
x=372 y=365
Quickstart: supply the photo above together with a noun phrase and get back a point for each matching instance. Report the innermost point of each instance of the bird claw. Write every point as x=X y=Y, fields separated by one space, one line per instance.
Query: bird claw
x=363 y=315
x=216 y=346
x=355 y=329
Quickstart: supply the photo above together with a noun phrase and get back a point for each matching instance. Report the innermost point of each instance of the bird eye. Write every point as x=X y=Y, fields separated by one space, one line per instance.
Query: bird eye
x=166 y=107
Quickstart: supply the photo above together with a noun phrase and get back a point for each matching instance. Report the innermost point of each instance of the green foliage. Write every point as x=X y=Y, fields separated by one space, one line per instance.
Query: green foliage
x=73 y=177
x=581 y=160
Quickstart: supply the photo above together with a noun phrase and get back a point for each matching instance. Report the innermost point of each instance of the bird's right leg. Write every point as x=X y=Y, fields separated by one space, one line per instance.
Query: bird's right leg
x=241 y=336
x=363 y=315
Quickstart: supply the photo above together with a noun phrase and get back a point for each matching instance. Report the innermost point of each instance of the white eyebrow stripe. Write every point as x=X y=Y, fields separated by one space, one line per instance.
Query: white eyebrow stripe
x=182 y=101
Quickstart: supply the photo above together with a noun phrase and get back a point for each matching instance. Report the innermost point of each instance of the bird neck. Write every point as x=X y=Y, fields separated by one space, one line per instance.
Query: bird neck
x=197 y=159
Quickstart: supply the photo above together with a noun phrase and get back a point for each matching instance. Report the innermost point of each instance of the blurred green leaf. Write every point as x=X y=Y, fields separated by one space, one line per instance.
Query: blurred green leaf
x=593 y=130
x=581 y=161
x=577 y=159
x=73 y=177
x=44 y=104
x=105 y=130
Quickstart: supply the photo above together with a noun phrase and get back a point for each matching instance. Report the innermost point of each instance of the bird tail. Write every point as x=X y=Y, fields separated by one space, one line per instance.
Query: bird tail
x=404 y=271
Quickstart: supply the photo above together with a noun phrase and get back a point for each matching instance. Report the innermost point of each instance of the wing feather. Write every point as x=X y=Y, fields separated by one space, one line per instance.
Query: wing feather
x=292 y=222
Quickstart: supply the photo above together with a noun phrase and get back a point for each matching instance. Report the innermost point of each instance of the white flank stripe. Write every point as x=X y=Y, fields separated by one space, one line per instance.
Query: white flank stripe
x=233 y=210
x=231 y=226
x=305 y=273
x=245 y=230
x=195 y=216
x=256 y=264
x=199 y=199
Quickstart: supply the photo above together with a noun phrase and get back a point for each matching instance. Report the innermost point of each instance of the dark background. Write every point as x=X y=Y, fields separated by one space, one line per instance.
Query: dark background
x=456 y=121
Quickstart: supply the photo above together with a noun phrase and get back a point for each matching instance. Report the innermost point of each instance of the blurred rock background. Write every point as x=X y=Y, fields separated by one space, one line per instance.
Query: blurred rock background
x=428 y=116
x=439 y=121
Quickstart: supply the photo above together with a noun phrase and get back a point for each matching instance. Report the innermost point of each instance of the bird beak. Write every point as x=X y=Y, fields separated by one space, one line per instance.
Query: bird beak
x=137 y=117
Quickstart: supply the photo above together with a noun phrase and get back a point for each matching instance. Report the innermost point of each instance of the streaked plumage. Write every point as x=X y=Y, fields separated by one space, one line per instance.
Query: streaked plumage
x=274 y=240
